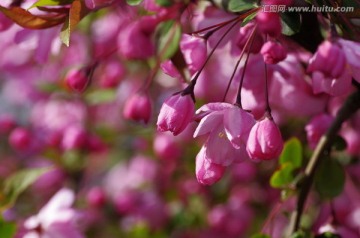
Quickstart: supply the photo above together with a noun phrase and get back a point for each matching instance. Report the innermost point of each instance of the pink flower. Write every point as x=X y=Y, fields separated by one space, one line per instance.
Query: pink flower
x=166 y=147
x=244 y=35
x=273 y=52
x=176 y=113
x=269 y=23
x=194 y=50
x=207 y=173
x=77 y=80
x=352 y=54
x=20 y=139
x=138 y=108
x=316 y=128
x=265 y=141
x=55 y=219
x=333 y=86
x=329 y=59
x=227 y=128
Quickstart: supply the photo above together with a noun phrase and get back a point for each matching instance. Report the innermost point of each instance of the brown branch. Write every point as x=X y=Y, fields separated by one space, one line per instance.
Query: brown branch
x=351 y=105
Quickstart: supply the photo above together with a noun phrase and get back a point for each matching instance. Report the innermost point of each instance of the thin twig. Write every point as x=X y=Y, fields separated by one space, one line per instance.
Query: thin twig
x=351 y=105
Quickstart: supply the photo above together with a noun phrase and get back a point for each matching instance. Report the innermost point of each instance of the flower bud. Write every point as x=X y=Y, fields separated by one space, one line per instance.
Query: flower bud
x=273 y=52
x=176 y=113
x=207 y=173
x=96 y=197
x=20 y=139
x=244 y=35
x=77 y=80
x=269 y=23
x=265 y=141
x=138 y=108
x=328 y=59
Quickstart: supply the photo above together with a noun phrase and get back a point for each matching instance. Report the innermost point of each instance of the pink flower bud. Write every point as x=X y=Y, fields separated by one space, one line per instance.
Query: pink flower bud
x=328 y=59
x=273 y=52
x=176 y=113
x=96 y=197
x=269 y=23
x=194 y=50
x=77 y=80
x=7 y=123
x=74 y=138
x=207 y=173
x=169 y=68
x=20 y=139
x=316 y=128
x=265 y=141
x=92 y=4
x=5 y=22
x=244 y=35
x=138 y=108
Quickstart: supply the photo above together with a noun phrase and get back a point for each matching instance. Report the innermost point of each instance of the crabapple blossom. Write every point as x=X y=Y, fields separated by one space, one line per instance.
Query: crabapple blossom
x=207 y=173
x=20 y=139
x=77 y=80
x=273 y=52
x=269 y=23
x=226 y=139
x=176 y=113
x=265 y=141
x=56 y=218
x=138 y=107
x=351 y=50
x=329 y=59
x=96 y=197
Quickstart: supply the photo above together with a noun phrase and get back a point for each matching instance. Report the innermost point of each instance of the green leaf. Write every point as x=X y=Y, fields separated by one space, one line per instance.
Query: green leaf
x=241 y=5
x=77 y=11
x=101 y=96
x=248 y=18
x=283 y=176
x=170 y=35
x=291 y=23
x=292 y=153
x=260 y=235
x=328 y=235
x=330 y=178
x=164 y=3
x=42 y=3
x=7 y=229
x=17 y=183
x=133 y=2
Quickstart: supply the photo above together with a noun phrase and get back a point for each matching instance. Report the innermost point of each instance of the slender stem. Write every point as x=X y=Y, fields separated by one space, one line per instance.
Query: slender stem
x=239 y=60
x=238 y=96
x=221 y=24
x=267 y=109
x=190 y=89
x=351 y=105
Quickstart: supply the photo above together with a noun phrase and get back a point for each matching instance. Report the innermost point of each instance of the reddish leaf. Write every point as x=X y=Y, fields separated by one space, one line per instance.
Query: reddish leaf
x=76 y=13
x=28 y=20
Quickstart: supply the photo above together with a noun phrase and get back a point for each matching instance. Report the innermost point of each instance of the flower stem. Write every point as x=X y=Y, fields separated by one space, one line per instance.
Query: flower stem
x=349 y=108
